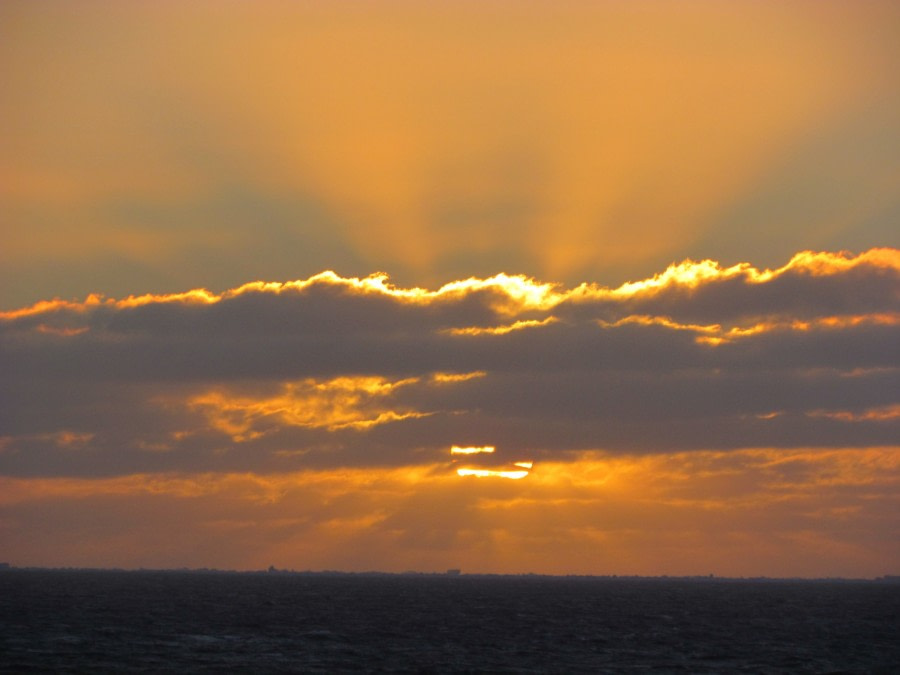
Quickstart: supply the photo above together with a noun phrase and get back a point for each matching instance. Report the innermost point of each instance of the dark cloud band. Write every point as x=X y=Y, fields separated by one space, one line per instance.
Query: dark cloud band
x=333 y=371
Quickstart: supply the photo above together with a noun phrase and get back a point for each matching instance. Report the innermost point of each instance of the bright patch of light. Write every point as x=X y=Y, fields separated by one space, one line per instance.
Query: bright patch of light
x=485 y=473
x=687 y=273
x=456 y=450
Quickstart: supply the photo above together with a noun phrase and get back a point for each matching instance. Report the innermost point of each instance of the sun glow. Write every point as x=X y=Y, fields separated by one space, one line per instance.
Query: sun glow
x=639 y=507
x=523 y=466
x=487 y=473
x=521 y=292
x=472 y=450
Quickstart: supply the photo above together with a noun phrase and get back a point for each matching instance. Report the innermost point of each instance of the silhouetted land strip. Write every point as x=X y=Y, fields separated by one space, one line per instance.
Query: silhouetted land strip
x=887 y=578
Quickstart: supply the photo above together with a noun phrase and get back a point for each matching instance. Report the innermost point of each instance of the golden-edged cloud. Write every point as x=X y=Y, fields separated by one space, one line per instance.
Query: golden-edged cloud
x=731 y=420
x=350 y=372
x=339 y=403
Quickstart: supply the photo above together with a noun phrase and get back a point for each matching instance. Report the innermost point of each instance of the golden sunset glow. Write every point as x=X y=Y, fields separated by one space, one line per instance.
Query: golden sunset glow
x=561 y=287
x=456 y=450
x=635 y=511
x=345 y=402
x=488 y=473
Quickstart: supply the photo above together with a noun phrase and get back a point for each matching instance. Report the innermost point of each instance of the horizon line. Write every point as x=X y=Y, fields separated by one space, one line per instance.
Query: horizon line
x=451 y=573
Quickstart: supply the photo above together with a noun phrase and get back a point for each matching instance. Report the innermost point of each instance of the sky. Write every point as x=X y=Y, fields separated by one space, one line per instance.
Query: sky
x=554 y=287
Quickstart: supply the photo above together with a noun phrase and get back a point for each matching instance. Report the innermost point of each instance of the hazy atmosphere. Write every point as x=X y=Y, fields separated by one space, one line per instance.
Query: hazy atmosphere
x=556 y=287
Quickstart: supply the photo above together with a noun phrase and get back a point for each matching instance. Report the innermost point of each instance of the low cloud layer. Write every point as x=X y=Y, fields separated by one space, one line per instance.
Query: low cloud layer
x=330 y=372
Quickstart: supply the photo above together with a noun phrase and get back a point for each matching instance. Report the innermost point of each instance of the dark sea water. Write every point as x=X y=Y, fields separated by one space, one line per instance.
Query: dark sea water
x=107 y=621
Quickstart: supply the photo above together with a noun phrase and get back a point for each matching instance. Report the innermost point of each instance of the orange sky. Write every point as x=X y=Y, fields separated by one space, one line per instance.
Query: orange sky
x=164 y=146
x=741 y=513
x=506 y=193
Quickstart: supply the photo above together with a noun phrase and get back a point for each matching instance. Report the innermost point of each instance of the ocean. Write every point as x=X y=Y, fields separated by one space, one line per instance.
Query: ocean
x=190 y=621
